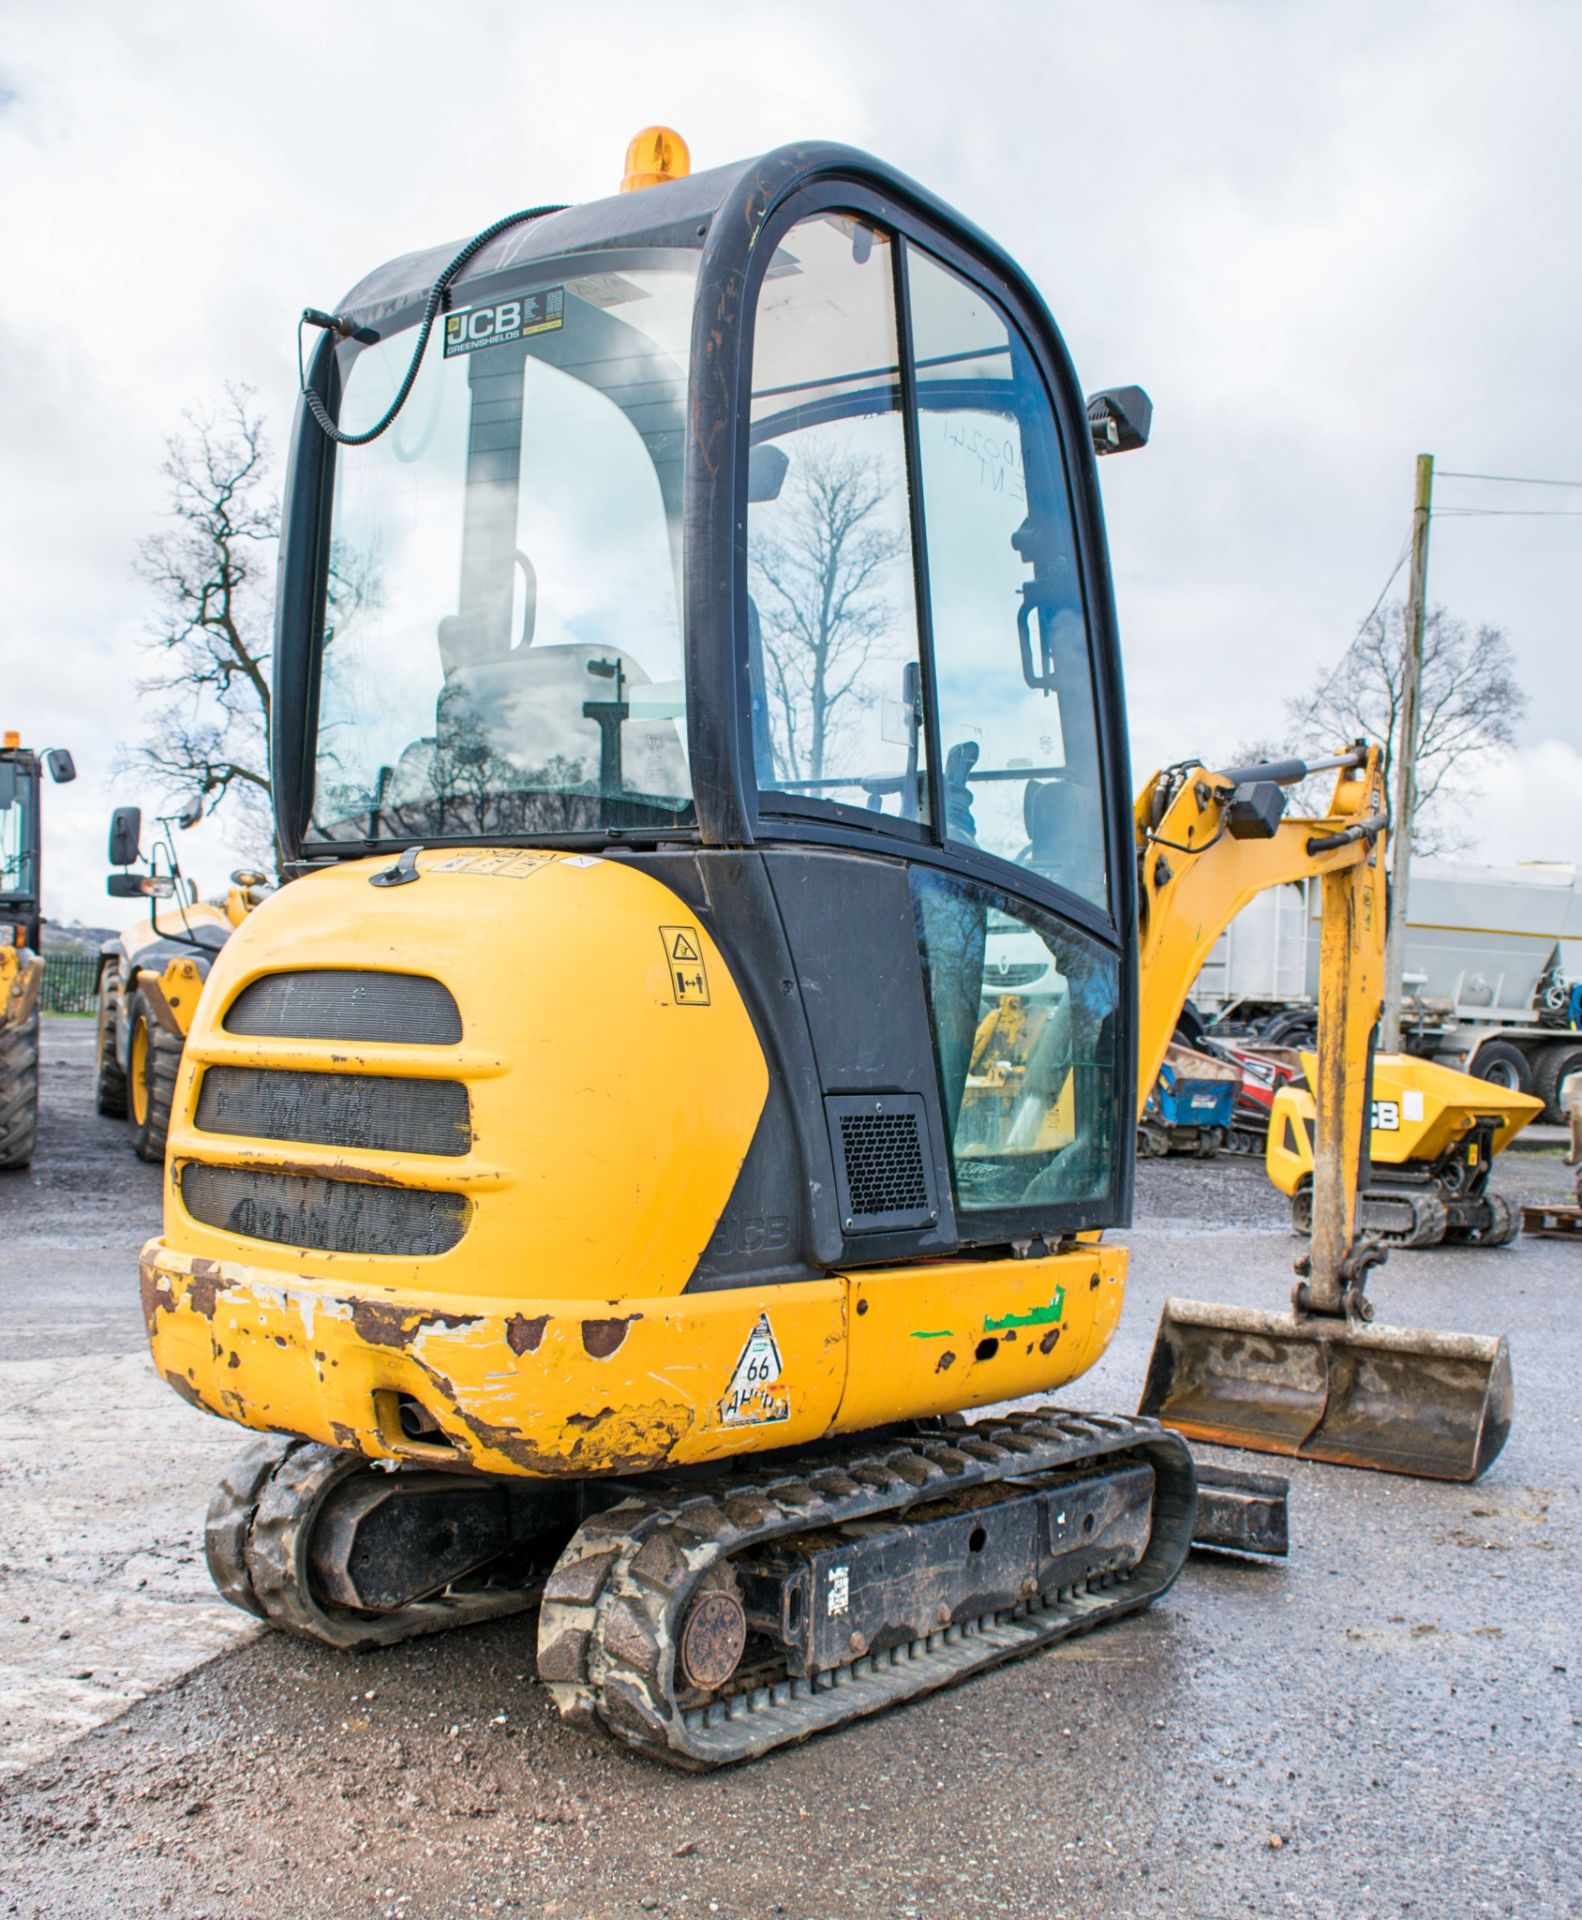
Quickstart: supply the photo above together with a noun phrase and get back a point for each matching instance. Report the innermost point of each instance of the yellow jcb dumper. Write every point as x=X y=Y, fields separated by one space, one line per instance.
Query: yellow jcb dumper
x=1321 y=1382
x=697 y=700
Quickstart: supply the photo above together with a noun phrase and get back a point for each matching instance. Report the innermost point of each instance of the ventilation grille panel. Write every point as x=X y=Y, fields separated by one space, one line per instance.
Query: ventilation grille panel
x=323 y=1215
x=343 y=1003
x=359 y=1110
x=882 y=1162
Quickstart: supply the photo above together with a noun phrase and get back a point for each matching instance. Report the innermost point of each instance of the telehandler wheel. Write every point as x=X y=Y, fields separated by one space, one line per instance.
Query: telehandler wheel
x=109 y=1076
x=18 y=1093
x=1555 y=1065
x=1503 y=1064
x=152 y=1060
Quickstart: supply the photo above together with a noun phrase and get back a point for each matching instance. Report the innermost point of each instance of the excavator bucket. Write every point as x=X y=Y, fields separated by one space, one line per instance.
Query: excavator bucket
x=1392 y=1398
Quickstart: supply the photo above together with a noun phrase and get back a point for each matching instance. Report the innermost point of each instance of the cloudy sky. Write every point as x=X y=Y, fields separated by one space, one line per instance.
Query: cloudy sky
x=1326 y=237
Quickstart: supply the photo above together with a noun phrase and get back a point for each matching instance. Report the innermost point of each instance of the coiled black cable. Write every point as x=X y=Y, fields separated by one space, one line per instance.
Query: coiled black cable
x=432 y=307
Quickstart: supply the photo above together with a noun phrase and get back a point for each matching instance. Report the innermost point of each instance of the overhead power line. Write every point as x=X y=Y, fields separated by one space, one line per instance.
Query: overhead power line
x=1510 y=479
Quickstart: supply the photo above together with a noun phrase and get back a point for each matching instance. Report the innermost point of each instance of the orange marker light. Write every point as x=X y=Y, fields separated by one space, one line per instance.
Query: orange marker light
x=657 y=154
x=12 y=737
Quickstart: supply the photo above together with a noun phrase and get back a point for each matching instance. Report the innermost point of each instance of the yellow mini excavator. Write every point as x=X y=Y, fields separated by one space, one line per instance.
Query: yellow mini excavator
x=697 y=697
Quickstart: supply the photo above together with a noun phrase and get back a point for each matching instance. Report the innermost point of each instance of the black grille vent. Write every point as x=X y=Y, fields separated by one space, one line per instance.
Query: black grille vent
x=335 y=1003
x=882 y=1166
x=337 y=1109
x=326 y=1216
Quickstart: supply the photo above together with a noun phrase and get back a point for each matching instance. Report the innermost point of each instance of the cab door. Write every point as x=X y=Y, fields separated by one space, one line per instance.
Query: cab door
x=933 y=680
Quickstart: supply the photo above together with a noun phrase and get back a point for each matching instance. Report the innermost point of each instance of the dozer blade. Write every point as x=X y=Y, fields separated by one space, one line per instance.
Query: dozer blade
x=1393 y=1398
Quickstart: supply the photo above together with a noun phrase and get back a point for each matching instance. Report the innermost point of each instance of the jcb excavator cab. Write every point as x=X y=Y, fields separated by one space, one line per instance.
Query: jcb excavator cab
x=746 y=531
x=698 y=716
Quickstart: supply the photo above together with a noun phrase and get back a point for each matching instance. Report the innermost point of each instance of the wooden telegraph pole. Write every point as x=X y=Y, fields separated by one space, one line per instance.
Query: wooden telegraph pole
x=1404 y=772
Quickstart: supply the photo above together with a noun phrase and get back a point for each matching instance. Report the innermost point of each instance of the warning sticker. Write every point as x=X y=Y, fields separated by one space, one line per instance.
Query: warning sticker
x=689 y=980
x=507 y=865
x=506 y=320
x=755 y=1396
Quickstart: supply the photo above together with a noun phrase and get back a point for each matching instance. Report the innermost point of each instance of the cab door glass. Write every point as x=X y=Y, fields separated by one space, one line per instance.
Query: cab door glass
x=836 y=688
x=1024 y=1018
x=1017 y=729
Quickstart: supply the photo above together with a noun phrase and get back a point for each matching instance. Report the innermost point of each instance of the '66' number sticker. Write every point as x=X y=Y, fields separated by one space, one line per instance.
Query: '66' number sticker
x=755 y=1396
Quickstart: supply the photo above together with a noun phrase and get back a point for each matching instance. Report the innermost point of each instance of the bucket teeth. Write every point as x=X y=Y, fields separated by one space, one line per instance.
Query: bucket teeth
x=1397 y=1399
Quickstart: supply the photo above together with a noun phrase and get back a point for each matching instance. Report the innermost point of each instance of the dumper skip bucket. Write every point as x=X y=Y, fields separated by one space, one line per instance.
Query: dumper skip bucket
x=1394 y=1398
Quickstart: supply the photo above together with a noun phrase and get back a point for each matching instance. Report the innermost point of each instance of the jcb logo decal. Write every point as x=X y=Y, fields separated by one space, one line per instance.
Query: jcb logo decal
x=1386 y=1116
x=506 y=320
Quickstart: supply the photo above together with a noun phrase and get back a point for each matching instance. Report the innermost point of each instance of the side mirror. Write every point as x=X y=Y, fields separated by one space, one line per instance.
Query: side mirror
x=767 y=465
x=191 y=813
x=62 y=768
x=128 y=886
x=1120 y=419
x=249 y=877
x=126 y=836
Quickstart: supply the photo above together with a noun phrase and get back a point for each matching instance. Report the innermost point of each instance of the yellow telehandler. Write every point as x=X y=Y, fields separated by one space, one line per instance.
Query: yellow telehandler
x=697 y=697
x=21 y=925
x=150 y=976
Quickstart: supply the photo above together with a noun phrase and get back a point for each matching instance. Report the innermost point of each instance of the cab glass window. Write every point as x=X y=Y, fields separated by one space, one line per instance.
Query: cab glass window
x=501 y=639
x=1024 y=1017
x=832 y=616
x=1017 y=729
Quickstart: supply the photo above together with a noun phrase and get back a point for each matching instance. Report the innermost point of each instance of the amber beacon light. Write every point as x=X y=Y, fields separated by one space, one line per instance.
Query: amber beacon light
x=657 y=154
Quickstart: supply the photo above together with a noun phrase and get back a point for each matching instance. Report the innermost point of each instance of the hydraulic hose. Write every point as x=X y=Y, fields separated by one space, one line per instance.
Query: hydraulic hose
x=432 y=307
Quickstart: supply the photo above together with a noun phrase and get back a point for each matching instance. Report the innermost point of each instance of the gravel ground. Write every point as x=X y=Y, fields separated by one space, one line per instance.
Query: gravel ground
x=1386 y=1725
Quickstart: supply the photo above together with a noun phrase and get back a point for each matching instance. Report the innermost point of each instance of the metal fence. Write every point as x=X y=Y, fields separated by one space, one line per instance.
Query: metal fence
x=71 y=982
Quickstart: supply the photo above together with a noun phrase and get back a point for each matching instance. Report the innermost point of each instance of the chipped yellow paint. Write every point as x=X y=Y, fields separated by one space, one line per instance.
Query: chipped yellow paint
x=553 y=1387
x=891 y=1376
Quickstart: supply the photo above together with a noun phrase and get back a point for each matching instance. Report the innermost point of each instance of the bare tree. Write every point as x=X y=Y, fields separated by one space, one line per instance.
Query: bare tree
x=1472 y=703
x=821 y=579
x=212 y=570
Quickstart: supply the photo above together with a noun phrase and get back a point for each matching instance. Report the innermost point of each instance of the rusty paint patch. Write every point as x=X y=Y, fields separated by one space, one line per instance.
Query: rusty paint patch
x=382 y=1325
x=945 y=1362
x=1050 y=1341
x=155 y=1290
x=523 y=1335
x=235 y=1360
x=205 y=1287
x=601 y=1338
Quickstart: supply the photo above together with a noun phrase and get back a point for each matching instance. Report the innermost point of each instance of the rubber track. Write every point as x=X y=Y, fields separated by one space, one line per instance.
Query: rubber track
x=109 y=1076
x=1501 y=1226
x=613 y=1606
x=18 y=1093
x=256 y=1540
x=1430 y=1221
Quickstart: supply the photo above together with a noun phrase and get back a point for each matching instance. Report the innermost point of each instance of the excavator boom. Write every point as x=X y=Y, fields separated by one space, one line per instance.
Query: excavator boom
x=1319 y=1382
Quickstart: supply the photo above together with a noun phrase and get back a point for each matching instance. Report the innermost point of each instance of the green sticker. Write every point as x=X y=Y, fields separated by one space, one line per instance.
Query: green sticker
x=1034 y=1317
